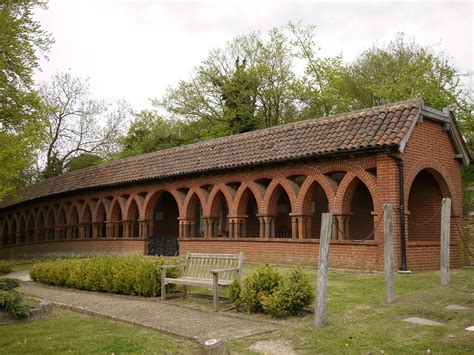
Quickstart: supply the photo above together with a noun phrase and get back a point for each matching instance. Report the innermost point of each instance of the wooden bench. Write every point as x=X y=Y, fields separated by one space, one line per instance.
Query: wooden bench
x=206 y=270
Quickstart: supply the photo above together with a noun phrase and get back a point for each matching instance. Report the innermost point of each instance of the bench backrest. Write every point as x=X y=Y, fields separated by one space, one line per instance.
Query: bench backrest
x=199 y=265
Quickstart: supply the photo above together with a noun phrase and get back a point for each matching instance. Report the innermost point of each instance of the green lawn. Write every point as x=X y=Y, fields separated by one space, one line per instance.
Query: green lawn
x=70 y=332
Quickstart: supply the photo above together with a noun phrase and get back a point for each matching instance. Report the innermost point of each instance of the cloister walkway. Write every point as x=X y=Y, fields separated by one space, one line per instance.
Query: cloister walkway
x=167 y=318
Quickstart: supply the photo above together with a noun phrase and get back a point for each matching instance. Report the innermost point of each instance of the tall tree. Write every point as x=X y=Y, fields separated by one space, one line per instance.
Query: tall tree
x=76 y=123
x=22 y=40
x=404 y=69
x=223 y=86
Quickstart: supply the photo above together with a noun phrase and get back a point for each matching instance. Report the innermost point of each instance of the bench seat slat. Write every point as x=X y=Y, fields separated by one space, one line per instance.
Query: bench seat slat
x=191 y=281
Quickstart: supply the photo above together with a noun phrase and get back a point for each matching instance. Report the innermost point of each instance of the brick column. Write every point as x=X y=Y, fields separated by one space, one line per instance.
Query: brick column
x=267 y=226
x=186 y=227
x=341 y=226
x=237 y=226
x=210 y=227
x=145 y=228
x=300 y=226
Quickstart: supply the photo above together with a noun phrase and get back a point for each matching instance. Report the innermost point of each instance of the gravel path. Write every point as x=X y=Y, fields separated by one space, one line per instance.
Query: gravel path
x=167 y=318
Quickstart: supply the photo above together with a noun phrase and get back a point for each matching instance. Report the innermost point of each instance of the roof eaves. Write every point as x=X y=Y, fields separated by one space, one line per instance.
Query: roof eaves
x=329 y=154
x=447 y=117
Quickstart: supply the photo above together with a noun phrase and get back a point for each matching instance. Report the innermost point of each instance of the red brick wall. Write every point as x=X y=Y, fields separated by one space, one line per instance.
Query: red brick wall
x=342 y=255
x=430 y=148
x=424 y=206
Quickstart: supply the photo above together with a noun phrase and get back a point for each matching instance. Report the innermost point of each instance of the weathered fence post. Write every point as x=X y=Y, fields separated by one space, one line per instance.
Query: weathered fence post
x=445 y=240
x=388 y=252
x=322 y=278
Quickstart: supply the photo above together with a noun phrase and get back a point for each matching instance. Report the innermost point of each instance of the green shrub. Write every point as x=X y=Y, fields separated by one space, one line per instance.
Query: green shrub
x=12 y=302
x=125 y=274
x=263 y=282
x=8 y=284
x=296 y=293
x=234 y=293
x=5 y=267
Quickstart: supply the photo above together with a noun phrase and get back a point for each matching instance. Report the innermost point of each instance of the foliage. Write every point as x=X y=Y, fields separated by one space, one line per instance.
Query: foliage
x=234 y=293
x=404 y=69
x=150 y=132
x=134 y=275
x=267 y=291
x=246 y=85
x=72 y=119
x=5 y=266
x=12 y=302
x=8 y=284
x=296 y=293
x=263 y=282
x=82 y=161
x=21 y=125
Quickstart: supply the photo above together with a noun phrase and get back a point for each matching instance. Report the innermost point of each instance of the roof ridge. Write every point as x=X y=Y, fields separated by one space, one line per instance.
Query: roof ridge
x=245 y=134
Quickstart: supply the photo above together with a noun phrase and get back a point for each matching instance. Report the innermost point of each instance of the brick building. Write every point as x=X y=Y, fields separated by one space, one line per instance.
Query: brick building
x=261 y=192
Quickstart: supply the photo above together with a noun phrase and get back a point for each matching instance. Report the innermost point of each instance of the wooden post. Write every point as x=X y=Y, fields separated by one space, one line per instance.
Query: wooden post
x=388 y=252
x=322 y=278
x=445 y=240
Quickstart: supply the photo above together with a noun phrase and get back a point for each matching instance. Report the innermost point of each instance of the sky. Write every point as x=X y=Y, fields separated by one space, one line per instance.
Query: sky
x=134 y=50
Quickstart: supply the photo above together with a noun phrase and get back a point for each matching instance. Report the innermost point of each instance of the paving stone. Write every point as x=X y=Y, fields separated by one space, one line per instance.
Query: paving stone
x=273 y=348
x=22 y=275
x=170 y=319
x=470 y=329
x=422 y=321
x=456 y=307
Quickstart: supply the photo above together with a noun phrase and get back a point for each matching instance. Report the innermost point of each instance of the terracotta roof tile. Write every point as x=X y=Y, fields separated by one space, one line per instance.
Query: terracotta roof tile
x=374 y=127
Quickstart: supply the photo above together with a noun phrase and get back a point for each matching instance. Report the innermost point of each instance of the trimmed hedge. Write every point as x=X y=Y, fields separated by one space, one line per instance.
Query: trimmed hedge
x=124 y=274
x=5 y=267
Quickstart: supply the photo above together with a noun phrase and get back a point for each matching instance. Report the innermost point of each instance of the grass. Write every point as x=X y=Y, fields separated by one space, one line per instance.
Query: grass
x=358 y=321
x=69 y=332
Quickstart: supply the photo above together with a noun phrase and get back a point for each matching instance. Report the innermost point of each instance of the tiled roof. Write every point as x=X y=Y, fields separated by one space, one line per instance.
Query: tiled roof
x=366 y=129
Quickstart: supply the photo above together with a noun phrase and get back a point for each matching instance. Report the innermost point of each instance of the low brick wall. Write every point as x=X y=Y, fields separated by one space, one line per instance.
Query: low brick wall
x=76 y=247
x=346 y=255
x=425 y=255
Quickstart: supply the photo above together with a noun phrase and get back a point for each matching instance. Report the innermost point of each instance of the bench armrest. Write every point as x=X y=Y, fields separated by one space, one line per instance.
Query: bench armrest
x=164 y=267
x=217 y=271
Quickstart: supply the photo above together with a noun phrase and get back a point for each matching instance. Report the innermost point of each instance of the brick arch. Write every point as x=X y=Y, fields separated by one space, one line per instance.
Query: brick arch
x=346 y=187
x=152 y=198
x=242 y=197
x=440 y=175
x=79 y=207
x=213 y=202
x=133 y=200
x=274 y=190
x=329 y=187
x=188 y=204
x=86 y=215
x=31 y=216
x=22 y=218
x=116 y=207
x=40 y=218
x=71 y=211
x=62 y=215
x=100 y=212
x=5 y=225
